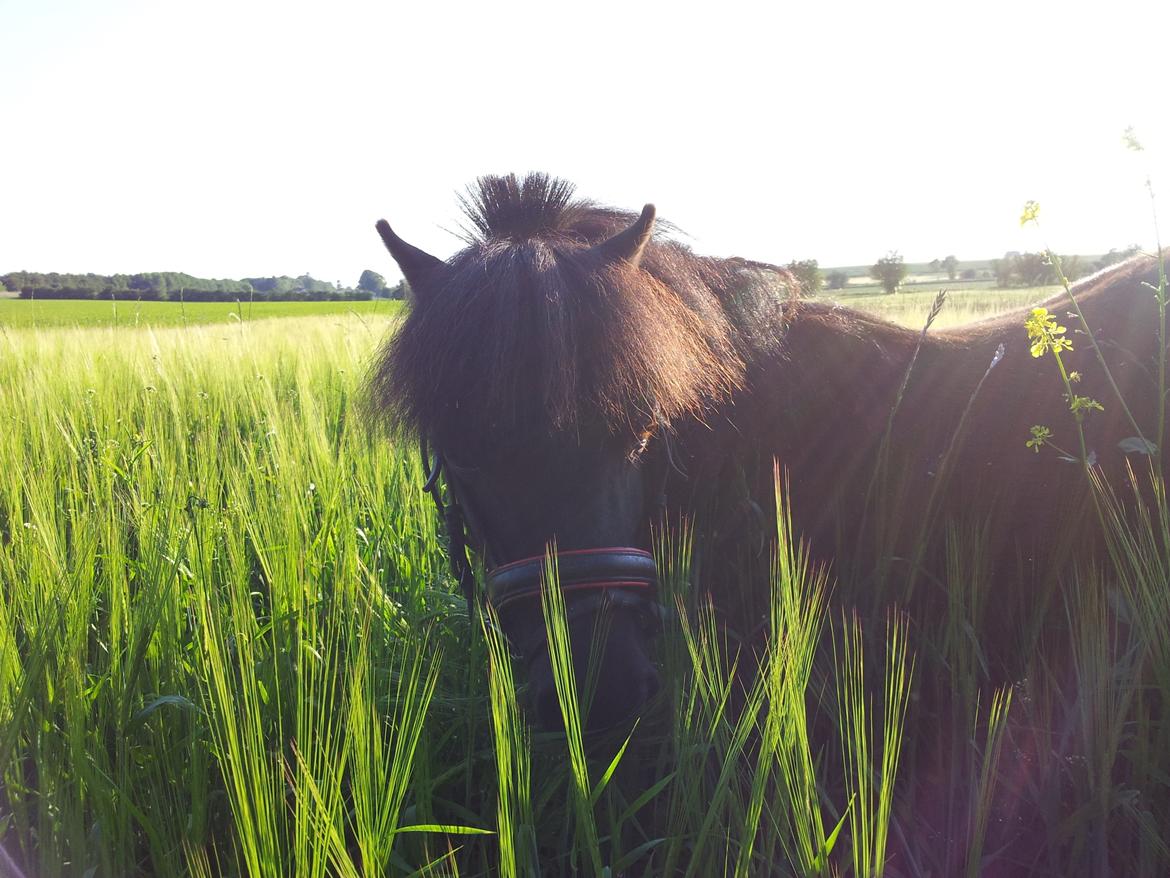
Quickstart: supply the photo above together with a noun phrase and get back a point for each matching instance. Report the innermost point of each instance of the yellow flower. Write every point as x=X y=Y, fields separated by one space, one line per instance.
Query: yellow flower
x=1031 y=213
x=1045 y=333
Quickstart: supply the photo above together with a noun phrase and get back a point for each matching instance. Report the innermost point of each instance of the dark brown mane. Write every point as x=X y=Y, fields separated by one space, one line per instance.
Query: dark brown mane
x=506 y=208
x=528 y=333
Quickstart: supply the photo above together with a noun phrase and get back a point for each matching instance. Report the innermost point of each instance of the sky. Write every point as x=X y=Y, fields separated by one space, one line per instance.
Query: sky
x=236 y=139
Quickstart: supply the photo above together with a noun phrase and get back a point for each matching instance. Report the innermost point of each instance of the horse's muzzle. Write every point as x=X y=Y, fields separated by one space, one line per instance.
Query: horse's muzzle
x=621 y=580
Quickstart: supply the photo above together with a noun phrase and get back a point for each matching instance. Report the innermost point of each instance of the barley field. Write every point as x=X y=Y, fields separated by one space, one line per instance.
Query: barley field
x=88 y=312
x=910 y=305
x=230 y=645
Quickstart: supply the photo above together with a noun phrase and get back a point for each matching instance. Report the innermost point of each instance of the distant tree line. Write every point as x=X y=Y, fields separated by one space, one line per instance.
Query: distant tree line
x=176 y=286
x=1036 y=269
x=1013 y=270
x=1032 y=269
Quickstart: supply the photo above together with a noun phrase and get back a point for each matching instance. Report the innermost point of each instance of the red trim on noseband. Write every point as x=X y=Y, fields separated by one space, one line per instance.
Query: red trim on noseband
x=574 y=553
x=622 y=572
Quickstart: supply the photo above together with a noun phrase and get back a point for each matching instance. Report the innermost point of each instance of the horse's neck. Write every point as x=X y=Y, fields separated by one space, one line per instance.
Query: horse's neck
x=834 y=381
x=821 y=404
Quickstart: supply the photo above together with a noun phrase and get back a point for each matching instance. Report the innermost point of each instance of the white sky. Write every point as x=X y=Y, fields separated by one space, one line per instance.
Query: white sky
x=233 y=139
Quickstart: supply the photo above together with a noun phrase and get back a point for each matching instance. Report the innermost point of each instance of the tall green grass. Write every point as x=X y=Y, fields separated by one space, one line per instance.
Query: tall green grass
x=208 y=571
x=229 y=645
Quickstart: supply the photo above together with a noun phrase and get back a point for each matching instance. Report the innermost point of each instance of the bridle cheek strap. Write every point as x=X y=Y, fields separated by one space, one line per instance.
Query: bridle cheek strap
x=577 y=570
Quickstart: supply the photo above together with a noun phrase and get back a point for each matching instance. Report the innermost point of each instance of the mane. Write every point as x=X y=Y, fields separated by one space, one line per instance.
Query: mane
x=528 y=332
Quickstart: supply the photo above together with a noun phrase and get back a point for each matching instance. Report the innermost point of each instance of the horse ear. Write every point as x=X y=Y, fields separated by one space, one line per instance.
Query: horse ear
x=418 y=267
x=627 y=246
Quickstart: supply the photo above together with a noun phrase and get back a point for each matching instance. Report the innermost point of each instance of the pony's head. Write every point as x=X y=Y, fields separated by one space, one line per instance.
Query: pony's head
x=545 y=364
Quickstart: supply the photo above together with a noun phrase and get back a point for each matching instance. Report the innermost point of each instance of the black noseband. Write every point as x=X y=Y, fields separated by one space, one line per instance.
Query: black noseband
x=632 y=571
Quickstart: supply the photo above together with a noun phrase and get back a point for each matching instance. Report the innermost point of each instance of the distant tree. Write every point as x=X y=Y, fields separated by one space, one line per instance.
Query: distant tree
x=1005 y=269
x=1035 y=270
x=398 y=291
x=372 y=282
x=935 y=265
x=318 y=289
x=968 y=274
x=889 y=271
x=951 y=266
x=837 y=280
x=808 y=275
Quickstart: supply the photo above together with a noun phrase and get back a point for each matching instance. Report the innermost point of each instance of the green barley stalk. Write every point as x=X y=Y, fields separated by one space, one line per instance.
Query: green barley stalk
x=1101 y=661
x=1137 y=533
x=1129 y=138
x=231 y=645
x=561 y=656
x=880 y=474
x=799 y=593
x=984 y=791
x=870 y=787
x=942 y=474
x=700 y=734
x=514 y=817
x=382 y=749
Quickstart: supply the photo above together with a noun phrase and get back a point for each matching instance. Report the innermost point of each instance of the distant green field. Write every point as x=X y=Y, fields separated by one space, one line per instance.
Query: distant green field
x=81 y=312
x=909 y=306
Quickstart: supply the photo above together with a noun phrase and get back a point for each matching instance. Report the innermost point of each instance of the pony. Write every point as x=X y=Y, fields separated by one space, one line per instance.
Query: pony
x=582 y=377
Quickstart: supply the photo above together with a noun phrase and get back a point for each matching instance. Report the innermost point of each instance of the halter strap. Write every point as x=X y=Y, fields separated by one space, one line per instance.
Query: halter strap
x=452 y=517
